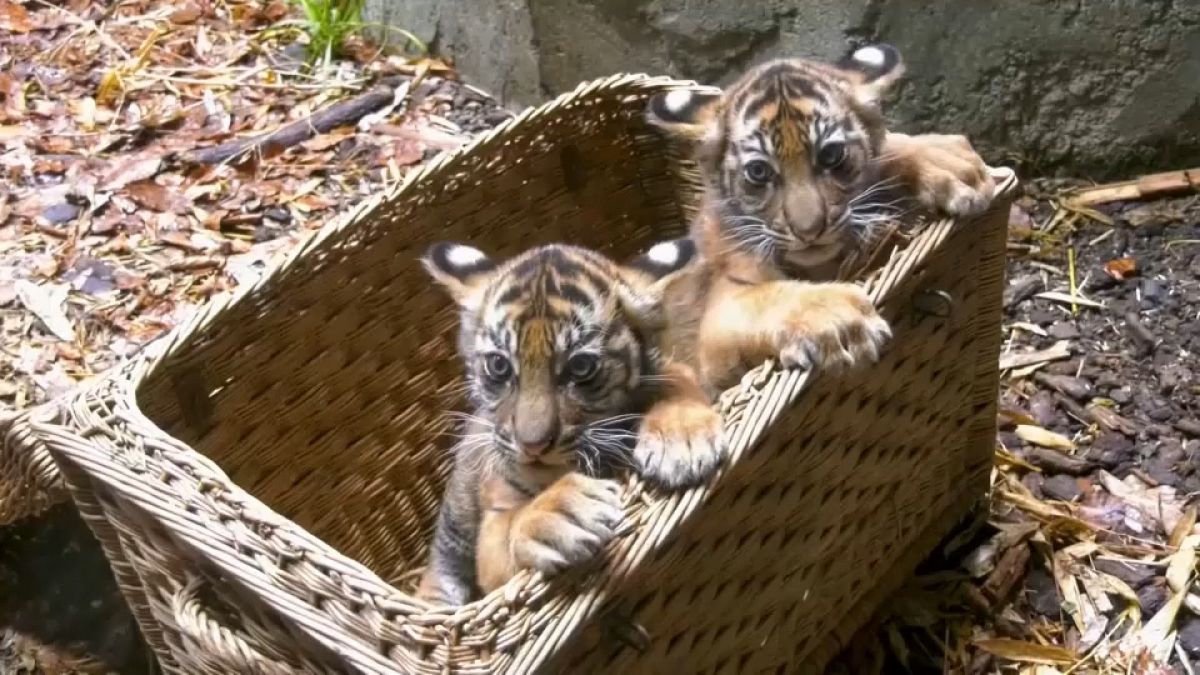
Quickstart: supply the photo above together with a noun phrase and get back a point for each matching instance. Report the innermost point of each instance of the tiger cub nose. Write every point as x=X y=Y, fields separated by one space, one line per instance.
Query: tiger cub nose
x=535 y=447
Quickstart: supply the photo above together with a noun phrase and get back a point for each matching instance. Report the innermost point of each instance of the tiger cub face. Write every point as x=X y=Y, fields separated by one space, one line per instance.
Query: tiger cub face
x=789 y=152
x=559 y=346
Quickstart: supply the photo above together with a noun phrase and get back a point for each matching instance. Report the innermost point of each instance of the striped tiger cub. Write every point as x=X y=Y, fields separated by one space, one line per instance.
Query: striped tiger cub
x=797 y=168
x=564 y=367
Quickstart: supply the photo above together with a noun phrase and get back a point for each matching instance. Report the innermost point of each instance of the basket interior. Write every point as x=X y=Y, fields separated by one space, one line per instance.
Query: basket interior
x=323 y=393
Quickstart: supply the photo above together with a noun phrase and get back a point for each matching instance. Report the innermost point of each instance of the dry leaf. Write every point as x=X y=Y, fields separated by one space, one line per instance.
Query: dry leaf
x=1159 y=504
x=1044 y=437
x=182 y=240
x=1121 y=268
x=186 y=14
x=110 y=88
x=275 y=10
x=1180 y=567
x=1026 y=652
x=1183 y=528
x=130 y=171
x=46 y=303
x=1014 y=417
x=156 y=197
x=14 y=18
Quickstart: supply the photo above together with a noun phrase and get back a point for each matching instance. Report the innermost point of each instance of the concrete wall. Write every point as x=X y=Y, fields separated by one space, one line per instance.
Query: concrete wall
x=1094 y=87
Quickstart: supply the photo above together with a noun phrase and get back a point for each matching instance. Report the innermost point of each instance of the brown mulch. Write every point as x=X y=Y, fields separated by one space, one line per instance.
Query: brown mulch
x=1087 y=561
x=121 y=212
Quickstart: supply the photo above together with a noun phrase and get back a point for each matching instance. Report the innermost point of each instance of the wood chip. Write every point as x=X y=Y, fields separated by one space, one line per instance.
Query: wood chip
x=1068 y=299
x=1053 y=461
x=1043 y=437
x=1056 y=352
x=1152 y=185
x=1026 y=652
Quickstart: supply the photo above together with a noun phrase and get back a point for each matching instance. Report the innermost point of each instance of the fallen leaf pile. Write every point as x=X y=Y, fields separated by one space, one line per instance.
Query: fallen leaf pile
x=112 y=228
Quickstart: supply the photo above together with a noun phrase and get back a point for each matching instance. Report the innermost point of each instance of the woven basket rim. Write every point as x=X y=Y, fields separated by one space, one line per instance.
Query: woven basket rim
x=764 y=394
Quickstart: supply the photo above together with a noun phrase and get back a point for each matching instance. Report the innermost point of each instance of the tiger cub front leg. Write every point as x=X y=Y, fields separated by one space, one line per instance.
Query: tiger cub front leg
x=680 y=442
x=565 y=524
x=821 y=325
x=941 y=171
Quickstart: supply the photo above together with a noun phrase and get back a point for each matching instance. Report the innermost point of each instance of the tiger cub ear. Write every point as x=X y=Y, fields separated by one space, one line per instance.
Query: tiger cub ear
x=648 y=276
x=462 y=270
x=685 y=113
x=873 y=70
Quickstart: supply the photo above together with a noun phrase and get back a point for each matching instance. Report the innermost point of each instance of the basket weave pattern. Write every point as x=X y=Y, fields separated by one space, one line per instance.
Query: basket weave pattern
x=264 y=481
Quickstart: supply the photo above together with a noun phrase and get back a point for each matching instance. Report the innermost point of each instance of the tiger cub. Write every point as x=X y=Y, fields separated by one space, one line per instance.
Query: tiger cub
x=562 y=356
x=797 y=165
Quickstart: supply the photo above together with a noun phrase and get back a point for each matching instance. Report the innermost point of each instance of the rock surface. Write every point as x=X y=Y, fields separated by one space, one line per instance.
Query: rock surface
x=1102 y=88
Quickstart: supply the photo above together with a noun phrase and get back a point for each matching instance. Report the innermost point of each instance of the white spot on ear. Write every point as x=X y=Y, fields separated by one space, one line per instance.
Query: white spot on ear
x=463 y=256
x=870 y=56
x=677 y=100
x=666 y=253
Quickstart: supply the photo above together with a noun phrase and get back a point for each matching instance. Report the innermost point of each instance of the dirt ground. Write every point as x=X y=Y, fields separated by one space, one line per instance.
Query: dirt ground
x=1109 y=493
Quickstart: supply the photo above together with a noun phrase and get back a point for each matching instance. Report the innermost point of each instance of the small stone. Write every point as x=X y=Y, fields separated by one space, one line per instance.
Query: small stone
x=1161 y=471
x=1152 y=291
x=1108 y=380
x=1062 y=488
x=1170 y=450
x=1110 y=449
x=1075 y=387
x=1064 y=330
x=1069 y=368
x=1043 y=409
x=1189 y=426
x=1044 y=316
x=1169 y=378
x=1189 y=635
x=1021 y=289
x=1042 y=593
x=1033 y=481
x=1121 y=396
x=1160 y=412
x=1151 y=597
x=1135 y=576
x=278 y=214
x=60 y=213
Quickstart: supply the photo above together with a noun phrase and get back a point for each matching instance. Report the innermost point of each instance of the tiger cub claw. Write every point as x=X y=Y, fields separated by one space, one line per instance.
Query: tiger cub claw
x=680 y=444
x=567 y=524
x=954 y=180
x=840 y=330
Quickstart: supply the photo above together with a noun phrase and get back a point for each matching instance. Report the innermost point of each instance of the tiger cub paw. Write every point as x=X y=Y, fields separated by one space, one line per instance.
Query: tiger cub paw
x=566 y=524
x=832 y=326
x=680 y=444
x=948 y=175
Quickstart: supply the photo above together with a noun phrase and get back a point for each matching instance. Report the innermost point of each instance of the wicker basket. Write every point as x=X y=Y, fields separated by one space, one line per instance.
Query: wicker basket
x=264 y=481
